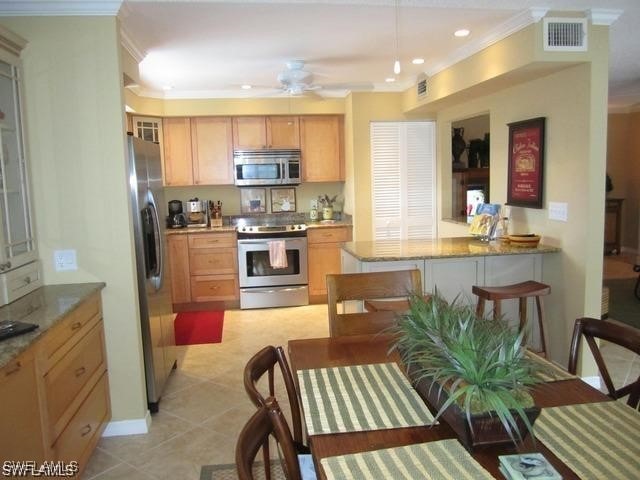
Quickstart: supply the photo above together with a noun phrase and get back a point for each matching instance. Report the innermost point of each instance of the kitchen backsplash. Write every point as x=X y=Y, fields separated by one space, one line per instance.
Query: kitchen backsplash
x=229 y=195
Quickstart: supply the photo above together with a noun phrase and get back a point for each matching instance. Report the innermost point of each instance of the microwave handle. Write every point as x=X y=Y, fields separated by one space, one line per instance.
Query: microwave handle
x=283 y=166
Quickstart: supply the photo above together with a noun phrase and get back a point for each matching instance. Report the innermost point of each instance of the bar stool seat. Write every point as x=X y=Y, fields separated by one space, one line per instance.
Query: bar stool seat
x=521 y=291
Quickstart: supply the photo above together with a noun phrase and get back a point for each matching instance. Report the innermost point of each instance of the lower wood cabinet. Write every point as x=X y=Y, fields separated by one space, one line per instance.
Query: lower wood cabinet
x=204 y=268
x=78 y=439
x=21 y=422
x=324 y=257
x=178 y=247
x=54 y=396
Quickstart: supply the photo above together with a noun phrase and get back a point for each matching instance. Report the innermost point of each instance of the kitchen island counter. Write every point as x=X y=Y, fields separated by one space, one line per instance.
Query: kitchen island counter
x=416 y=249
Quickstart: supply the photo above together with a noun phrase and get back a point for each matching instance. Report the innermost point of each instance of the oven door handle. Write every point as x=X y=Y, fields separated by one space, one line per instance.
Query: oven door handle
x=271 y=290
x=253 y=242
x=266 y=242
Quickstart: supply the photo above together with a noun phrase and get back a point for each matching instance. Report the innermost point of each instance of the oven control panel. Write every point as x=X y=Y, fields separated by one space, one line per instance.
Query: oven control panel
x=269 y=229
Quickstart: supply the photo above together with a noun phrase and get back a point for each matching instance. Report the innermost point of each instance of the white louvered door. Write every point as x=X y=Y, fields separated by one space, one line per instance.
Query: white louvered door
x=403 y=180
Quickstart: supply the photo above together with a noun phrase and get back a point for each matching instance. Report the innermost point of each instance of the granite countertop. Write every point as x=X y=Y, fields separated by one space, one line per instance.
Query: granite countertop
x=184 y=231
x=329 y=224
x=230 y=228
x=394 y=250
x=45 y=307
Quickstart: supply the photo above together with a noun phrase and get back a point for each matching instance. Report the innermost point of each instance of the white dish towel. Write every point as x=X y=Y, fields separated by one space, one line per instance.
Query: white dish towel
x=278 y=254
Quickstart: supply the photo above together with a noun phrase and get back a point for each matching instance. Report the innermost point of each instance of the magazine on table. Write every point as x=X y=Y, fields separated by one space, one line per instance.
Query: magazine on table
x=527 y=466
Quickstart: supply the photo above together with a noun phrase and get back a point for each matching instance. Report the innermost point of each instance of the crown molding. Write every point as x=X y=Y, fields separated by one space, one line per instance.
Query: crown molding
x=604 y=16
x=514 y=24
x=18 y=8
x=130 y=46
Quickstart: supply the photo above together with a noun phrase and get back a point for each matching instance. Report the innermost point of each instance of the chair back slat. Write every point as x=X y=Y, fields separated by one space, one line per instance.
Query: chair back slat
x=267 y=420
x=367 y=286
x=264 y=362
x=620 y=334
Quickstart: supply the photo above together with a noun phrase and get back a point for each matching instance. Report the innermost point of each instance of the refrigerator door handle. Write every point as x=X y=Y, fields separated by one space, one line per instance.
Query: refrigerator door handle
x=158 y=271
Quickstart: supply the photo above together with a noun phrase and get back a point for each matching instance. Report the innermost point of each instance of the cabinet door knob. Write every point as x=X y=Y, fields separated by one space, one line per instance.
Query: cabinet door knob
x=85 y=430
x=80 y=371
x=76 y=326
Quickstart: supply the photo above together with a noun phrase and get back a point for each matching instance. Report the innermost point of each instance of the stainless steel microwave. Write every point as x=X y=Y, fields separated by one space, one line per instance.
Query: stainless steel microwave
x=266 y=167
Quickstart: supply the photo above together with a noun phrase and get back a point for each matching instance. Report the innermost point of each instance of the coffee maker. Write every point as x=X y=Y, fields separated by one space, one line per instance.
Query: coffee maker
x=197 y=213
x=176 y=218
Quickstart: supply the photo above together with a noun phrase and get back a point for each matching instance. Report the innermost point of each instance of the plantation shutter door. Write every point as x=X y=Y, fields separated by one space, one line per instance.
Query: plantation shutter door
x=386 y=182
x=420 y=186
x=403 y=179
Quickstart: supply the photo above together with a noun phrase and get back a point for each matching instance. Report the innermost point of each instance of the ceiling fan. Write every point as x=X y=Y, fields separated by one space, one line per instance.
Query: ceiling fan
x=295 y=80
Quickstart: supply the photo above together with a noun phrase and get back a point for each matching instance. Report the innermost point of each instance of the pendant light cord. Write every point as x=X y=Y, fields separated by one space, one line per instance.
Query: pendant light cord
x=396 y=63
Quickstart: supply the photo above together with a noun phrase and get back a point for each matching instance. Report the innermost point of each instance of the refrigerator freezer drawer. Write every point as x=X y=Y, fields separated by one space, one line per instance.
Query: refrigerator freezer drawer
x=19 y=281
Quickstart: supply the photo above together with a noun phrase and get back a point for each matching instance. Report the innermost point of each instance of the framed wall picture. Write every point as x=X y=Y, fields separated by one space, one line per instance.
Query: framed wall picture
x=253 y=200
x=526 y=163
x=283 y=200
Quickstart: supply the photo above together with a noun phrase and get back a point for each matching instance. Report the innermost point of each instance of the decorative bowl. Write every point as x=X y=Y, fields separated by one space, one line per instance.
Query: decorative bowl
x=528 y=240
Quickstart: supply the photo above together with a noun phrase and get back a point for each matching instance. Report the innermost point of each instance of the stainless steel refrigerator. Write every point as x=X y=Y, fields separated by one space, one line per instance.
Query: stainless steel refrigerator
x=156 y=314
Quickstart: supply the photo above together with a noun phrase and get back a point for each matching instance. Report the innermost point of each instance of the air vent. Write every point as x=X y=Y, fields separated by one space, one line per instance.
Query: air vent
x=565 y=34
x=421 y=88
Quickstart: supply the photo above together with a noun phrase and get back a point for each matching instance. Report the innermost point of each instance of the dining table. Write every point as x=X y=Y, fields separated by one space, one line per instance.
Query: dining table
x=306 y=355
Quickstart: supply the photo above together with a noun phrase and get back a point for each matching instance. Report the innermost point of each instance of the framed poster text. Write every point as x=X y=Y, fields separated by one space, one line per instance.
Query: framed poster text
x=526 y=163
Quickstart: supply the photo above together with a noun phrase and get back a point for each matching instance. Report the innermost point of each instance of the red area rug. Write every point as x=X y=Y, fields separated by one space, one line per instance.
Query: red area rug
x=192 y=328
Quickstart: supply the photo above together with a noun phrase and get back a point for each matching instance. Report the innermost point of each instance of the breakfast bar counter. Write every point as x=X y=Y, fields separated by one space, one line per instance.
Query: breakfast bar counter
x=395 y=250
x=452 y=266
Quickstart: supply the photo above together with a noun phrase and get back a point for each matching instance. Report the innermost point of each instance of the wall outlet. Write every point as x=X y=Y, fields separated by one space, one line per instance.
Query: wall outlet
x=558 y=211
x=314 y=204
x=65 y=260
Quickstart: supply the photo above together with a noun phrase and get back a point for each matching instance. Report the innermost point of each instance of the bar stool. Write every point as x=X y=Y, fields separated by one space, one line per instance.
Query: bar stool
x=521 y=291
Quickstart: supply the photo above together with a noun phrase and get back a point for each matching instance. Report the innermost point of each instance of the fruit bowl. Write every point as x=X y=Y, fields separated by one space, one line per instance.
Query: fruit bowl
x=528 y=240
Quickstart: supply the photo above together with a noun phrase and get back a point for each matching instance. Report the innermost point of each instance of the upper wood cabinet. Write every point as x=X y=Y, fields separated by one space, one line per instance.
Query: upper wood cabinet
x=178 y=168
x=212 y=150
x=283 y=132
x=321 y=142
x=197 y=151
x=266 y=132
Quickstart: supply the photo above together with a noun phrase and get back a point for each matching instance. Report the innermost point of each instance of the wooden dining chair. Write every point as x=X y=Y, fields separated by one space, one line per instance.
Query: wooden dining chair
x=265 y=361
x=363 y=287
x=620 y=334
x=268 y=421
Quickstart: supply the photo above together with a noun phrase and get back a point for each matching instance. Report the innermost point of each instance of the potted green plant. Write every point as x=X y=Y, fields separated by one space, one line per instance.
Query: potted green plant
x=473 y=370
x=327 y=205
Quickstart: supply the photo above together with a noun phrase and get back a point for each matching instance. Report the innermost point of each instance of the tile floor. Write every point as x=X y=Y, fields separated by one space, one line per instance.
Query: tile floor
x=205 y=406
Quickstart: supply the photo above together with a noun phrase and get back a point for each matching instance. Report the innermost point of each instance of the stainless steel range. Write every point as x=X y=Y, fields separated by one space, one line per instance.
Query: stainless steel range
x=272 y=262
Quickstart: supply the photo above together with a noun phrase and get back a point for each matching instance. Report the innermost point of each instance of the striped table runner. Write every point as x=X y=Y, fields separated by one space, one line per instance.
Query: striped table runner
x=442 y=460
x=596 y=440
x=552 y=372
x=358 y=398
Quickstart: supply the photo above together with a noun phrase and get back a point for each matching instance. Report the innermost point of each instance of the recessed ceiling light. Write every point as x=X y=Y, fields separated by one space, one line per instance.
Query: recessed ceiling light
x=166 y=88
x=461 y=33
x=390 y=79
x=417 y=61
x=246 y=87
